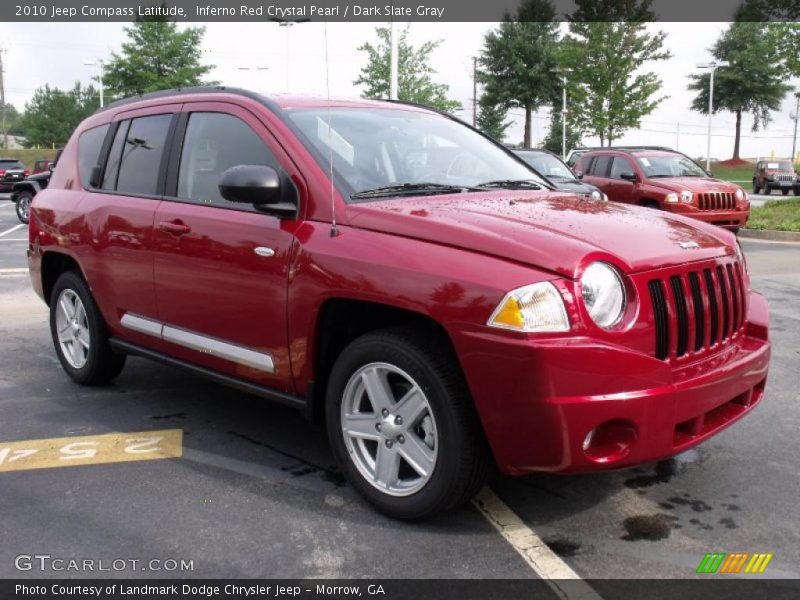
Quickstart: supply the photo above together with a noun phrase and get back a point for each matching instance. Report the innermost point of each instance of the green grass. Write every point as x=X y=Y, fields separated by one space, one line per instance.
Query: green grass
x=781 y=215
x=28 y=155
x=737 y=174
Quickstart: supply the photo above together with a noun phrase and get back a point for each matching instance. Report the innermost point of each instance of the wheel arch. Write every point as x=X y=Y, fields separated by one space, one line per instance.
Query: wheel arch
x=54 y=263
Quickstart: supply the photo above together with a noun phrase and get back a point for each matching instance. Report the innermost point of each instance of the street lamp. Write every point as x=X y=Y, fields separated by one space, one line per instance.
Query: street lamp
x=287 y=24
x=713 y=66
x=796 y=118
x=101 y=66
x=563 y=72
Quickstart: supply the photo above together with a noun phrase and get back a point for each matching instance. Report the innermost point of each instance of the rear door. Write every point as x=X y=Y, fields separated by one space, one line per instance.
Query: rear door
x=221 y=268
x=119 y=211
x=596 y=173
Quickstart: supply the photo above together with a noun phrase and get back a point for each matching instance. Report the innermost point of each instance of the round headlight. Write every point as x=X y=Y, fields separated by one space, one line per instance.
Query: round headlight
x=686 y=196
x=603 y=293
x=739 y=194
x=596 y=195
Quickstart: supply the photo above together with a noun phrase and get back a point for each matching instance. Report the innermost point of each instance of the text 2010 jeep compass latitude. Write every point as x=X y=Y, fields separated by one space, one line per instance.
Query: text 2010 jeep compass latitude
x=400 y=273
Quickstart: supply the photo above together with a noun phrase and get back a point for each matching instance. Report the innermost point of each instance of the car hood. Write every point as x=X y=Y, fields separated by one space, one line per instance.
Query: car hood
x=548 y=230
x=693 y=184
x=576 y=186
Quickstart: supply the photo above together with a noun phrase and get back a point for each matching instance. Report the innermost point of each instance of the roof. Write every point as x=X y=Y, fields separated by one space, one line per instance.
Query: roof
x=278 y=101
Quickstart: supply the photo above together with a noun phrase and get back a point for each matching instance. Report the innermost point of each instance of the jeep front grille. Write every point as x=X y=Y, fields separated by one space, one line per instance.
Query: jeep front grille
x=716 y=201
x=695 y=310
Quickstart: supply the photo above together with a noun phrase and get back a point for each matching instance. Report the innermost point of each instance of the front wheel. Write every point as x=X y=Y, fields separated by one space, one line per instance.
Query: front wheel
x=785 y=191
x=402 y=425
x=756 y=187
x=79 y=333
x=23 y=205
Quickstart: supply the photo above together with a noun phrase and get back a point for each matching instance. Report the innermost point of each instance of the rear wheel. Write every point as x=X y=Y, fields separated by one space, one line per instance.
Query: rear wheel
x=79 y=333
x=23 y=205
x=402 y=425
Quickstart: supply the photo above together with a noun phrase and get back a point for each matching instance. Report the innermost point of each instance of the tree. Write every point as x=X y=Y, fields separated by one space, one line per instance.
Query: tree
x=492 y=119
x=753 y=83
x=12 y=121
x=518 y=61
x=52 y=114
x=610 y=91
x=157 y=56
x=553 y=140
x=414 y=73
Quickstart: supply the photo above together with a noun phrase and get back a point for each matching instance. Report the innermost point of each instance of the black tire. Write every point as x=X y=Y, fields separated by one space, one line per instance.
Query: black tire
x=797 y=191
x=101 y=363
x=462 y=453
x=23 y=205
x=785 y=191
x=766 y=190
x=756 y=187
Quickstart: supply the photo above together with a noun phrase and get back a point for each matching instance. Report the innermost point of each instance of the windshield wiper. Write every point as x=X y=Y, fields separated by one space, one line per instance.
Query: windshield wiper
x=512 y=184
x=410 y=188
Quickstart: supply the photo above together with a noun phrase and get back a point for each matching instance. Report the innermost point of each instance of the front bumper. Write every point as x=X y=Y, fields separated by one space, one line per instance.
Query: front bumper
x=539 y=400
x=730 y=219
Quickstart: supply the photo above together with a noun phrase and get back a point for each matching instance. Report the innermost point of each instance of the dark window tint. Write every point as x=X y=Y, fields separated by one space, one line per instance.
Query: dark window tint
x=89 y=145
x=115 y=156
x=215 y=142
x=10 y=164
x=141 y=155
x=600 y=166
x=620 y=165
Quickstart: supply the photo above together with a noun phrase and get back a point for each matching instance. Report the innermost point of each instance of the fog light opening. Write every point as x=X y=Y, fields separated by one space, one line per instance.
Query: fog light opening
x=610 y=441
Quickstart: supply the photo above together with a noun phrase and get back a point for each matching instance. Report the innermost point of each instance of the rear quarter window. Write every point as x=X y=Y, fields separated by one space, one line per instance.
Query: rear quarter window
x=89 y=145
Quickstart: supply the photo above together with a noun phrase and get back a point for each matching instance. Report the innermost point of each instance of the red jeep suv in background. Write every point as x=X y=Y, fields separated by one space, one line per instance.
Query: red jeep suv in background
x=406 y=278
x=667 y=180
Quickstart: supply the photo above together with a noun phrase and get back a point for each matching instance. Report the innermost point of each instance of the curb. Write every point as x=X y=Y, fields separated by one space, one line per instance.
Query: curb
x=770 y=234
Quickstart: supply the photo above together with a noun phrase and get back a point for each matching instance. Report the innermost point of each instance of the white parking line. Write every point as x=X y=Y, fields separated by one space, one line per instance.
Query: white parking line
x=14 y=240
x=15 y=228
x=6 y=205
x=13 y=271
x=546 y=563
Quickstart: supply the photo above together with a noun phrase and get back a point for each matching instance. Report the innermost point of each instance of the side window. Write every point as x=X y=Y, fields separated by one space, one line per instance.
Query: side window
x=600 y=166
x=620 y=165
x=115 y=156
x=141 y=155
x=89 y=145
x=215 y=142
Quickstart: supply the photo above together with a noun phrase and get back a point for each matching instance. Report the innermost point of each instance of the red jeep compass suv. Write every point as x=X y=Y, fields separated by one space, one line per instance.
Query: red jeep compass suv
x=400 y=274
x=667 y=180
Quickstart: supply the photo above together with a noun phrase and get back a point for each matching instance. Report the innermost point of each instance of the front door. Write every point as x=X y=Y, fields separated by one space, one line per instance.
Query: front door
x=221 y=268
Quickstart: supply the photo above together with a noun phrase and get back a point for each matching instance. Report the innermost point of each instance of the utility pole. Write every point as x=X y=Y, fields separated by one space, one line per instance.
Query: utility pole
x=101 y=67
x=712 y=66
x=796 y=119
x=678 y=137
x=563 y=72
x=3 y=101
x=475 y=91
x=392 y=62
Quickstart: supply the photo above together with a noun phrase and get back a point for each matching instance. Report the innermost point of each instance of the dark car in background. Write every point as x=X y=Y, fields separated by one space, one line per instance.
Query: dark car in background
x=560 y=175
x=11 y=171
x=776 y=174
x=22 y=192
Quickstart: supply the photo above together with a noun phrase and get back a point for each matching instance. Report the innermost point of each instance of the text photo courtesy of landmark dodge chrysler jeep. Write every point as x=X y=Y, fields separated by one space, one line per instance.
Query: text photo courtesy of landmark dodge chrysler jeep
x=665 y=180
x=435 y=302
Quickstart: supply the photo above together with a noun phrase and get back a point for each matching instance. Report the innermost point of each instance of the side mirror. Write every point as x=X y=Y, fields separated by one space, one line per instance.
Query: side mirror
x=578 y=174
x=260 y=186
x=710 y=173
x=628 y=176
x=251 y=184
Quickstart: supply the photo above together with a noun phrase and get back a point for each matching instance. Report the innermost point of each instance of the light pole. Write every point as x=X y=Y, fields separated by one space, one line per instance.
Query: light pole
x=101 y=66
x=796 y=118
x=563 y=73
x=286 y=24
x=393 y=59
x=713 y=66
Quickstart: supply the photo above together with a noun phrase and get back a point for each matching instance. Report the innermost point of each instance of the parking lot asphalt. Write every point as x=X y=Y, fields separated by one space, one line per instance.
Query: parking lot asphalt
x=256 y=493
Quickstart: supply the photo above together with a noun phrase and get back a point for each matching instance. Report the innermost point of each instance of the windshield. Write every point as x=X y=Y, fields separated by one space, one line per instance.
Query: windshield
x=10 y=164
x=780 y=166
x=404 y=151
x=546 y=164
x=670 y=165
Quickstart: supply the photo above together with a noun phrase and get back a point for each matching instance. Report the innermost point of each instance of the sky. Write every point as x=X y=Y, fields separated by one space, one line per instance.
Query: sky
x=254 y=56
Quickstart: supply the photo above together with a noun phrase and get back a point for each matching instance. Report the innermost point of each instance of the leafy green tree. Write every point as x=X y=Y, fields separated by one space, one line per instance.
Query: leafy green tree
x=553 y=140
x=12 y=121
x=157 y=56
x=52 y=114
x=492 y=119
x=518 y=61
x=414 y=74
x=610 y=89
x=753 y=83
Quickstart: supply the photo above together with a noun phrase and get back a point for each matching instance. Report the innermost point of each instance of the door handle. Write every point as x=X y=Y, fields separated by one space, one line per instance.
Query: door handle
x=176 y=227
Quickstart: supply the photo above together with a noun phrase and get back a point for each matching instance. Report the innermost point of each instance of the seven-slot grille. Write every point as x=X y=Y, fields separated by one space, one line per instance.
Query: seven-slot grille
x=716 y=200
x=697 y=309
x=789 y=178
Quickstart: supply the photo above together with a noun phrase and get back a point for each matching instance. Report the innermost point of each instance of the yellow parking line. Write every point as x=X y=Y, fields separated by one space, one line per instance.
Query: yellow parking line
x=90 y=449
x=10 y=271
